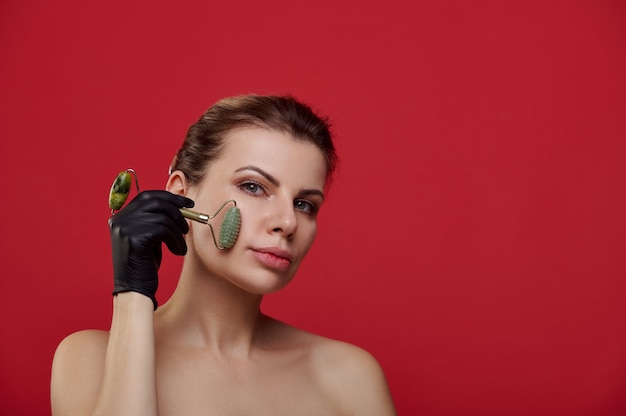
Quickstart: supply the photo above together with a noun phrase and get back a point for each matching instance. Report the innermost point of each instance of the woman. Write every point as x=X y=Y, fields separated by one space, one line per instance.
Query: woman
x=209 y=350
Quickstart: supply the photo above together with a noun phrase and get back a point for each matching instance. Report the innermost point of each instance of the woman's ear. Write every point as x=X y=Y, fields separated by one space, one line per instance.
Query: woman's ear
x=177 y=183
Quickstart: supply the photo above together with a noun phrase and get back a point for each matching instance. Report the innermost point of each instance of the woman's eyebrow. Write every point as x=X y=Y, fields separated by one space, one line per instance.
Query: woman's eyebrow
x=261 y=172
x=309 y=192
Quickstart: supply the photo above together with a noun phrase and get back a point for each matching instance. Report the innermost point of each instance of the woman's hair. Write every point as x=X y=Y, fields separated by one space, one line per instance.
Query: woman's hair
x=205 y=138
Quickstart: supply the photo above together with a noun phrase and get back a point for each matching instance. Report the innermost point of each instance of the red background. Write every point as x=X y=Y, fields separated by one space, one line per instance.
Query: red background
x=473 y=239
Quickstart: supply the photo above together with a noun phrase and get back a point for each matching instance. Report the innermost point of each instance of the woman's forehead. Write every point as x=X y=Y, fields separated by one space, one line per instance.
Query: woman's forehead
x=273 y=151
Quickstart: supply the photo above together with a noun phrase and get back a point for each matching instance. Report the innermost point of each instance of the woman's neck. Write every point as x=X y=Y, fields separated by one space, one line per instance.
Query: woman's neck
x=210 y=312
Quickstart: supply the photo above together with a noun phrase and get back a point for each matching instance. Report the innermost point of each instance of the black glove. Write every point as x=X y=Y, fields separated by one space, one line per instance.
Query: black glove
x=137 y=232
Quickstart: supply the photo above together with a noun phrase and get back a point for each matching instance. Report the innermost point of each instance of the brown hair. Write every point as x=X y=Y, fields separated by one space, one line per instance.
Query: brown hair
x=205 y=138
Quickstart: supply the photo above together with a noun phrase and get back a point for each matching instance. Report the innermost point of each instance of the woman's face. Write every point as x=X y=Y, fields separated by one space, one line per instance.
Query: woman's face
x=278 y=185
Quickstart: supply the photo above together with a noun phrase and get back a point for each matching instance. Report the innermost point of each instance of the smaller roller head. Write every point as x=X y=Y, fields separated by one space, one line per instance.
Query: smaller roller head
x=121 y=188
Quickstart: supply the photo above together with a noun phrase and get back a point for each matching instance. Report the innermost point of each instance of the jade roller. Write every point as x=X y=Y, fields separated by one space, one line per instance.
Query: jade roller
x=230 y=225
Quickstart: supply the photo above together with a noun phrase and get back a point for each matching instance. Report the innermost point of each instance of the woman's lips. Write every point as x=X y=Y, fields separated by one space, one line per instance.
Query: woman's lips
x=273 y=257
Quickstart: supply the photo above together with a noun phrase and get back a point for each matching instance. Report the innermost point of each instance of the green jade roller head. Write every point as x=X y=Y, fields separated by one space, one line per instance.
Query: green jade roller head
x=230 y=225
x=121 y=189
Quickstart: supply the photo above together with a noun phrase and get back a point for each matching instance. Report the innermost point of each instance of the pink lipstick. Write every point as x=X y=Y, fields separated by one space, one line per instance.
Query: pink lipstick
x=273 y=257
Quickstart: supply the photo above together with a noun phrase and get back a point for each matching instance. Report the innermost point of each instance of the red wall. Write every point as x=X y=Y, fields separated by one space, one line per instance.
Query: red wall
x=474 y=237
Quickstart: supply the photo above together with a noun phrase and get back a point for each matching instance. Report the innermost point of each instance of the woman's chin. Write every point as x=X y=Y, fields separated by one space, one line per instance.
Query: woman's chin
x=264 y=282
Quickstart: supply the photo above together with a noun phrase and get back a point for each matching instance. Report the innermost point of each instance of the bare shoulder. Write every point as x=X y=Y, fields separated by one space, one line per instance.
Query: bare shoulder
x=355 y=376
x=79 y=350
x=349 y=374
x=77 y=370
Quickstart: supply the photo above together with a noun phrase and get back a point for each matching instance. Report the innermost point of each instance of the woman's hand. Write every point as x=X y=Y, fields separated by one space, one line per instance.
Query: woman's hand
x=137 y=231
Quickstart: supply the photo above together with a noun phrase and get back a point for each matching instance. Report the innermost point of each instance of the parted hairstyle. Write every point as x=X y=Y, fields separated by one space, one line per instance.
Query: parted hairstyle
x=205 y=138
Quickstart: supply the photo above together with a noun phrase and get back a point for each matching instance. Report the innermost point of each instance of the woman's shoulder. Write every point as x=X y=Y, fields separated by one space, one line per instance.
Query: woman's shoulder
x=79 y=352
x=322 y=350
x=348 y=372
x=347 y=367
x=85 y=342
x=77 y=367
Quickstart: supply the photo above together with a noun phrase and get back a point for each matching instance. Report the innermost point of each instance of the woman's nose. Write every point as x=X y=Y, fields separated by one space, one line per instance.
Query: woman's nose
x=283 y=219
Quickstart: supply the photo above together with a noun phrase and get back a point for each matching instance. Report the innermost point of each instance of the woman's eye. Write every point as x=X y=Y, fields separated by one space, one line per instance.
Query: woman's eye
x=252 y=188
x=305 y=206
